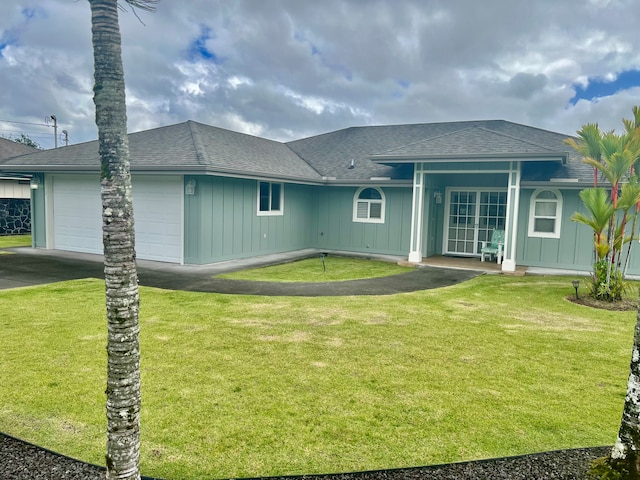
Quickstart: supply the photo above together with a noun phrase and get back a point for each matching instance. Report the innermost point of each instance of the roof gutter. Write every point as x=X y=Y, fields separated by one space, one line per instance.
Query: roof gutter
x=571 y=183
x=207 y=170
x=162 y=170
x=542 y=157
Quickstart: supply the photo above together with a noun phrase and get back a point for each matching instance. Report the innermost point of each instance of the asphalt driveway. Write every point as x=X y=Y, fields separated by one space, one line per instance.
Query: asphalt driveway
x=24 y=267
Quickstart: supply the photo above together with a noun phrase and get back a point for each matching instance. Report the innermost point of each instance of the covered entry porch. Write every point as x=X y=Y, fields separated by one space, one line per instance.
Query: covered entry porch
x=467 y=182
x=456 y=210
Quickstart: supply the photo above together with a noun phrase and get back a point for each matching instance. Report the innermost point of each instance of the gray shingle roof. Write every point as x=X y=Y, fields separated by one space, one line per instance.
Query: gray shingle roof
x=184 y=147
x=331 y=153
x=197 y=148
x=543 y=172
x=223 y=150
x=469 y=142
x=9 y=148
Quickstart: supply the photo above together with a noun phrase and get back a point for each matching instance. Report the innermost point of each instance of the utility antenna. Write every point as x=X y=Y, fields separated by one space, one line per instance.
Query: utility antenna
x=66 y=138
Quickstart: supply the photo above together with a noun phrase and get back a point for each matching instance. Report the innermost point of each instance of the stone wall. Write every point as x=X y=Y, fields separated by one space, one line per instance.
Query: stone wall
x=15 y=216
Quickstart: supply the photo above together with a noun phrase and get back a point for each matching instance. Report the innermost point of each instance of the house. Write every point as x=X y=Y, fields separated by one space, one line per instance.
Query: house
x=203 y=194
x=15 y=204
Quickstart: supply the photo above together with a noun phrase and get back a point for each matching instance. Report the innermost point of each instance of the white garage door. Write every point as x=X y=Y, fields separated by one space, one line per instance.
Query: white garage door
x=157 y=205
x=157 y=208
x=77 y=211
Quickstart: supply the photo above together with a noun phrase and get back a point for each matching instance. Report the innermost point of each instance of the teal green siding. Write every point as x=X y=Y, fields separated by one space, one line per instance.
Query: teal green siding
x=336 y=229
x=634 y=260
x=572 y=251
x=221 y=221
x=38 y=217
x=433 y=223
x=479 y=180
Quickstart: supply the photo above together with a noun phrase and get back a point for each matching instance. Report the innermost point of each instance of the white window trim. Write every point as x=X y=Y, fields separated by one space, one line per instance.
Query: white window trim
x=532 y=211
x=270 y=212
x=382 y=201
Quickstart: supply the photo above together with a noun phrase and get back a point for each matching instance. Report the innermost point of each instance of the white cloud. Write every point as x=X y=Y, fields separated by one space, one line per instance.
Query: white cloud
x=309 y=67
x=237 y=123
x=197 y=78
x=236 y=81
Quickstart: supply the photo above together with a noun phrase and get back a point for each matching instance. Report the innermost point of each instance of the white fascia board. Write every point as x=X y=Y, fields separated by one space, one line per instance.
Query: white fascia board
x=554 y=157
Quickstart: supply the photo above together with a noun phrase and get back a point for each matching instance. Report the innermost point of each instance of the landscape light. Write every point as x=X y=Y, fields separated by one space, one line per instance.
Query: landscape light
x=576 y=284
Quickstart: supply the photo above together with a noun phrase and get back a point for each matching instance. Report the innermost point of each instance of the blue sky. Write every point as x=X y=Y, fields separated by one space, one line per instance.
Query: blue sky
x=598 y=88
x=198 y=47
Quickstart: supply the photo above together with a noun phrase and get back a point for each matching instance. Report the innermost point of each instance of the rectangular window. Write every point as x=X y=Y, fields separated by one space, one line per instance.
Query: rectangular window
x=545 y=209
x=375 y=211
x=544 y=225
x=265 y=194
x=275 y=197
x=363 y=210
x=270 y=198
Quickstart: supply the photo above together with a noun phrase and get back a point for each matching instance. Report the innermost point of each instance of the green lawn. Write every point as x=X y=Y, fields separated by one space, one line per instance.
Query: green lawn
x=311 y=270
x=15 y=241
x=238 y=386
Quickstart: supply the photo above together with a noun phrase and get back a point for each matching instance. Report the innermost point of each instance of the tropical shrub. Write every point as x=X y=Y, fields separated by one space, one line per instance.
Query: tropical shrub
x=602 y=289
x=613 y=209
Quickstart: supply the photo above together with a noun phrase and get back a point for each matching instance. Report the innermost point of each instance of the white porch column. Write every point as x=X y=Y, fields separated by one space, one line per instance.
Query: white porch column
x=511 y=227
x=415 y=249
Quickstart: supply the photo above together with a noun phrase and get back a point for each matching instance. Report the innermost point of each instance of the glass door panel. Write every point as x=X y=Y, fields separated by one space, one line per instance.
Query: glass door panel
x=492 y=210
x=462 y=219
x=473 y=215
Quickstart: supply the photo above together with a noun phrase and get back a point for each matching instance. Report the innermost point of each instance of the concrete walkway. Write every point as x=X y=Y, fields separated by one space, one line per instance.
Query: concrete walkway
x=26 y=266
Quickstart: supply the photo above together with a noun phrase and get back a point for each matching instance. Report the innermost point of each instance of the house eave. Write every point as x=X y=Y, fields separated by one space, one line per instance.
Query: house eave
x=400 y=159
x=356 y=182
x=49 y=168
x=15 y=176
x=208 y=171
x=224 y=172
x=557 y=183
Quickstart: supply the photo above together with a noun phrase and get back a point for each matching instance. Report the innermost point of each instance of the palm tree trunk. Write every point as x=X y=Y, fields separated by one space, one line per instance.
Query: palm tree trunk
x=121 y=280
x=611 y=252
x=623 y=226
x=633 y=234
x=627 y=447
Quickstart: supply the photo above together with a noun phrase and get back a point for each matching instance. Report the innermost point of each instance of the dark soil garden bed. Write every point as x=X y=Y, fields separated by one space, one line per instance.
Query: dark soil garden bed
x=619 y=306
x=23 y=461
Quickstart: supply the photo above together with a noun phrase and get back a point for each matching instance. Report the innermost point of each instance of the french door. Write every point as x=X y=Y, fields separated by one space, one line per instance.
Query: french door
x=471 y=217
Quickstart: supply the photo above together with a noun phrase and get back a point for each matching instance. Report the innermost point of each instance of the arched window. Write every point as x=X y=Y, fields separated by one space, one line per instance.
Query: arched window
x=545 y=214
x=368 y=205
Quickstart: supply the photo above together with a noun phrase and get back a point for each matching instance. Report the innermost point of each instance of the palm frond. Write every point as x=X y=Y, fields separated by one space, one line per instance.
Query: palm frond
x=148 y=5
x=630 y=194
x=596 y=200
x=588 y=144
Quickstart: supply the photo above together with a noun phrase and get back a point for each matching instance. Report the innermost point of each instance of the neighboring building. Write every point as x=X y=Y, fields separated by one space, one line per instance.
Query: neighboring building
x=203 y=194
x=15 y=194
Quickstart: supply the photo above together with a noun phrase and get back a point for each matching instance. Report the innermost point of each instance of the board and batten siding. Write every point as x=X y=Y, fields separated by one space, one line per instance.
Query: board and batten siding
x=572 y=251
x=336 y=229
x=221 y=221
